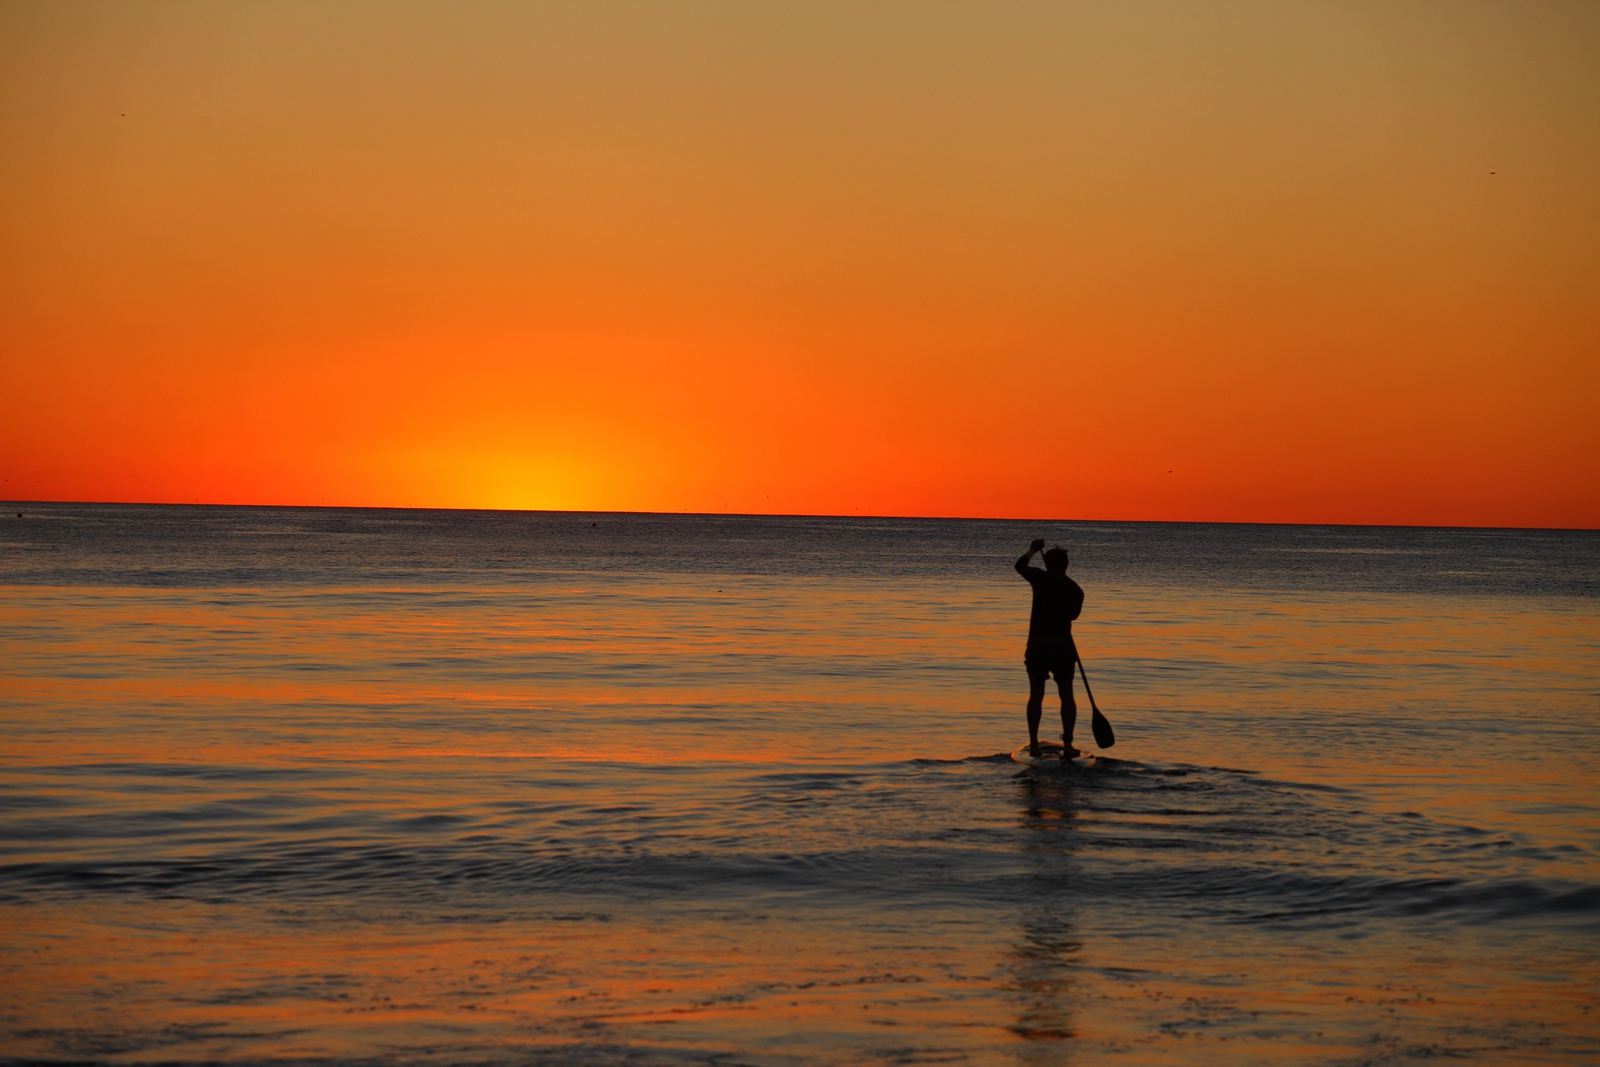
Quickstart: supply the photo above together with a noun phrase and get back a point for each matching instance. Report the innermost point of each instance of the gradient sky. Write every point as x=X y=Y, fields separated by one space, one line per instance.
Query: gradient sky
x=1221 y=261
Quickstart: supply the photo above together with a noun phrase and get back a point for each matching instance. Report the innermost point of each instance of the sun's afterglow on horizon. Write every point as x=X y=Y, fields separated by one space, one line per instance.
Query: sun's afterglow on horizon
x=1262 y=263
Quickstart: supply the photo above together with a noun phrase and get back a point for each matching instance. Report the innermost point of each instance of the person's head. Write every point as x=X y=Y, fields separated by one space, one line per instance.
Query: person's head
x=1056 y=560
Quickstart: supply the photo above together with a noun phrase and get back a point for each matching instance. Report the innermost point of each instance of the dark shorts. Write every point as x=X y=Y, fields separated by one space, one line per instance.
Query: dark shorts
x=1045 y=660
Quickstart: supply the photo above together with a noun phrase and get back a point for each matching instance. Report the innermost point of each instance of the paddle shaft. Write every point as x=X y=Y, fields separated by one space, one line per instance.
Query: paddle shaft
x=1103 y=734
x=1086 y=688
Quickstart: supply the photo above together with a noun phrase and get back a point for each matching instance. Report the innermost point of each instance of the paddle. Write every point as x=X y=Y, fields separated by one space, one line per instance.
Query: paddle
x=1101 y=726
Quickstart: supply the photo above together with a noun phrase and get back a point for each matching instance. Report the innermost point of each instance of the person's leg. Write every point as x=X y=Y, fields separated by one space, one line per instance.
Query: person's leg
x=1035 y=706
x=1069 y=708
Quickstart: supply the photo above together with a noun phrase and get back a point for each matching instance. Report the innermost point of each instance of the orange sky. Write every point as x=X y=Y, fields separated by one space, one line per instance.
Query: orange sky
x=1139 y=261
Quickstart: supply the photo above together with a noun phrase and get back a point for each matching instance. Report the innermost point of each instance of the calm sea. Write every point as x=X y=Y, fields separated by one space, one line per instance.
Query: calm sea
x=527 y=788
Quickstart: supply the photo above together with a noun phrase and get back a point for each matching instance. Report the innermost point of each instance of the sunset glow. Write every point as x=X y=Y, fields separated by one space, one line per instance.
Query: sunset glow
x=1331 y=263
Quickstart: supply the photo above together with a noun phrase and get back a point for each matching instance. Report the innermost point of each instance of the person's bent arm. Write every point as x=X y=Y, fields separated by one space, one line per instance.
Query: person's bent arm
x=1027 y=557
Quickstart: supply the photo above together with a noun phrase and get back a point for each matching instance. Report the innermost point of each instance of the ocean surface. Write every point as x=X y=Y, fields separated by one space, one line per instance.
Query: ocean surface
x=392 y=787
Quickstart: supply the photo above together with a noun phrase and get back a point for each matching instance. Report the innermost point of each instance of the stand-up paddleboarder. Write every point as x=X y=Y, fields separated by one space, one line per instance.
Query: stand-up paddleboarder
x=1057 y=600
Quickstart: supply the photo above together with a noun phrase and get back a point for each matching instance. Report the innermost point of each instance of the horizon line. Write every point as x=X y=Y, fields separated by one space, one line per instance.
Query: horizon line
x=784 y=515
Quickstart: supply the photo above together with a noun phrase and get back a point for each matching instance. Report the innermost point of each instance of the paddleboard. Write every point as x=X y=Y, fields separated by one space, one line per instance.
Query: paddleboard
x=1050 y=756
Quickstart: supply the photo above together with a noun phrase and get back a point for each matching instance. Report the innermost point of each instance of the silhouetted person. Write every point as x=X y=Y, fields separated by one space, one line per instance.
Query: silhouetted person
x=1057 y=600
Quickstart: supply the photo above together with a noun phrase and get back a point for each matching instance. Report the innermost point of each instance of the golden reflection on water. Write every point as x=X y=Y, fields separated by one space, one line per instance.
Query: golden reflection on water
x=170 y=980
x=1398 y=707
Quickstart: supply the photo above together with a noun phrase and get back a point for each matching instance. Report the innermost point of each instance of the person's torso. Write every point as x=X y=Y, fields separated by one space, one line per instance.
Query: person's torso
x=1057 y=599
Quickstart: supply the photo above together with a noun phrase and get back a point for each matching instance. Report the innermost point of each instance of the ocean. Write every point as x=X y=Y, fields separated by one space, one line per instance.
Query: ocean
x=304 y=785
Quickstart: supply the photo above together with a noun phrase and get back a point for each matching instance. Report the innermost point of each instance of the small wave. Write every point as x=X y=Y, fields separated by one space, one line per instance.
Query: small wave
x=1300 y=899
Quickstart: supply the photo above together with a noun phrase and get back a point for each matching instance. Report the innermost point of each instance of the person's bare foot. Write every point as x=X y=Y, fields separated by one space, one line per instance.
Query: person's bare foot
x=1033 y=749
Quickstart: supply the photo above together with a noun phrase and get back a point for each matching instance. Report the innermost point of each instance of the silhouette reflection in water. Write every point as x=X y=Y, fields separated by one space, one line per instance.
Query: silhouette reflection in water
x=1044 y=962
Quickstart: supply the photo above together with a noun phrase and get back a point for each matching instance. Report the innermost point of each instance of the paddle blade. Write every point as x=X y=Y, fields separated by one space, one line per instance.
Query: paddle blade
x=1102 y=730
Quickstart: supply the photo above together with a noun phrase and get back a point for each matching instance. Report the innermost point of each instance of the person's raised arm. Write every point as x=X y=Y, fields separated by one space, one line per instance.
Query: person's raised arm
x=1027 y=557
